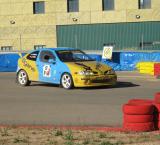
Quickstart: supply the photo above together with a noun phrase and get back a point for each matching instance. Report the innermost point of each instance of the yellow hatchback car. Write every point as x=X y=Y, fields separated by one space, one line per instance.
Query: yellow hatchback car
x=67 y=67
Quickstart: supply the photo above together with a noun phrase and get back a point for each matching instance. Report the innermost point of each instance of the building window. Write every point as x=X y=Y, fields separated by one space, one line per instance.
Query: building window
x=39 y=47
x=39 y=7
x=6 y=48
x=72 y=5
x=108 y=5
x=144 y=4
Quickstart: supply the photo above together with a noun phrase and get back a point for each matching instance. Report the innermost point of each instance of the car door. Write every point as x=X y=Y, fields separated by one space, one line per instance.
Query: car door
x=46 y=67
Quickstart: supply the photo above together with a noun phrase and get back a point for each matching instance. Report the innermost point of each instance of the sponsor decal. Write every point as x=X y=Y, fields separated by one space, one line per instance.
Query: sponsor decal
x=107 y=52
x=47 y=71
x=26 y=64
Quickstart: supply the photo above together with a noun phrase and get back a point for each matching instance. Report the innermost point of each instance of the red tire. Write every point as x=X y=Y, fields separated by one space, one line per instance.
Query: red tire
x=156 y=117
x=149 y=126
x=157 y=125
x=157 y=108
x=134 y=109
x=157 y=98
x=140 y=101
x=138 y=118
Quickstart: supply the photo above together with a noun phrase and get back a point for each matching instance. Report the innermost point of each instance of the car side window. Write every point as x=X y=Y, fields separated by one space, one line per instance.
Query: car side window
x=33 y=56
x=46 y=55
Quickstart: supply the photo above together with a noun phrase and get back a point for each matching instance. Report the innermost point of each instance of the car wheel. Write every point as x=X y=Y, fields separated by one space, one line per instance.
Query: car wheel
x=22 y=78
x=66 y=81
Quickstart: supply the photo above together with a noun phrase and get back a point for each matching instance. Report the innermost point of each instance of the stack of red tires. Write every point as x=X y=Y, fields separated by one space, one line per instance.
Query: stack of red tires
x=157 y=70
x=139 y=115
x=157 y=110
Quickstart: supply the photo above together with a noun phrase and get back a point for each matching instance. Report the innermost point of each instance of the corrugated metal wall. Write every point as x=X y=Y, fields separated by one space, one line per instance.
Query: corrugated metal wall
x=125 y=36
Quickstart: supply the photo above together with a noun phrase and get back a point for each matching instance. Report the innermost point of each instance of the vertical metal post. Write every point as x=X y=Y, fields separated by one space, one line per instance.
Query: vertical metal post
x=20 y=40
x=142 y=42
x=76 y=41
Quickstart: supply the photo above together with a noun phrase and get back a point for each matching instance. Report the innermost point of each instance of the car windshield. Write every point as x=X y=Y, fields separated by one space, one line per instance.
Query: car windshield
x=73 y=56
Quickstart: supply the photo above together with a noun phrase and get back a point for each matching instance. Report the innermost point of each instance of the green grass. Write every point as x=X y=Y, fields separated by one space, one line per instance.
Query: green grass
x=25 y=136
x=4 y=131
x=58 y=133
x=19 y=139
x=69 y=135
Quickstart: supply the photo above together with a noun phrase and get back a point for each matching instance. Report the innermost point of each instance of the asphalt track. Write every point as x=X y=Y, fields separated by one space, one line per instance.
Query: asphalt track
x=46 y=104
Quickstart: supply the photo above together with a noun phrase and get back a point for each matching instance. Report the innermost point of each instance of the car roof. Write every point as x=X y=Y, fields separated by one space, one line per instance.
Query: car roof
x=58 y=49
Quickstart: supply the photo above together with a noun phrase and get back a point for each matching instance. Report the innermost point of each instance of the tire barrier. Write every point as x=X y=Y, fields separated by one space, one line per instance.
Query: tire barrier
x=140 y=127
x=142 y=114
x=146 y=67
x=157 y=98
x=138 y=109
x=152 y=68
x=157 y=109
x=140 y=101
x=157 y=70
x=138 y=118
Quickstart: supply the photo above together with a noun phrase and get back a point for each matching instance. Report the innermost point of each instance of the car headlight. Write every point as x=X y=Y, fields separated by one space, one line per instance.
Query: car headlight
x=85 y=73
x=110 y=72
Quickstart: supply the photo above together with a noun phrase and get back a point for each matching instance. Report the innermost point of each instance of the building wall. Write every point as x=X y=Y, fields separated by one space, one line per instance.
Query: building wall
x=22 y=29
x=123 y=36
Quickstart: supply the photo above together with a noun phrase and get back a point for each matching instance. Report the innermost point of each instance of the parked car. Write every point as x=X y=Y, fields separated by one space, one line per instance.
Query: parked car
x=67 y=67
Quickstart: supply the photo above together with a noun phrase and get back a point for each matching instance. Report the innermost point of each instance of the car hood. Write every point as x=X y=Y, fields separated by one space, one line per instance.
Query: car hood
x=88 y=65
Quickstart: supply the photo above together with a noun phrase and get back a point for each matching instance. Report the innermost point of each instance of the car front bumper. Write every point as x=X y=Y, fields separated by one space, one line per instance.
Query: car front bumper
x=87 y=81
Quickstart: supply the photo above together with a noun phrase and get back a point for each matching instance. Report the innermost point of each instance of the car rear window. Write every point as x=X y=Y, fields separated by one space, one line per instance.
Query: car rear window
x=33 y=56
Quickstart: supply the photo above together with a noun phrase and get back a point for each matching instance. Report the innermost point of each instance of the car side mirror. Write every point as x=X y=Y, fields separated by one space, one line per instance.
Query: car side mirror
x=52 y=61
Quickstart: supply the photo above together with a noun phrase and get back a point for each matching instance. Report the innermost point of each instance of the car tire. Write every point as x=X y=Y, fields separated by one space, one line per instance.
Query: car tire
x=149 y=126
x=138 y=118
x=22 y=78
x=67 y=81
x=138 y=109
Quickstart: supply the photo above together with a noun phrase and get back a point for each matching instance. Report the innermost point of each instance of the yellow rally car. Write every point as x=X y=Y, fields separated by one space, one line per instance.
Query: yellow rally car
x=67 y=67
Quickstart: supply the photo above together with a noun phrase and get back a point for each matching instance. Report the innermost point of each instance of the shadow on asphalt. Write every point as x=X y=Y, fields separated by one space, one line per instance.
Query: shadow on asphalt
x=44 y=85
x=119 y=85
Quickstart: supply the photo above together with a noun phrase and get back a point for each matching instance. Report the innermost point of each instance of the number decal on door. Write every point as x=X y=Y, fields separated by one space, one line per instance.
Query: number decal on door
x=47 y=71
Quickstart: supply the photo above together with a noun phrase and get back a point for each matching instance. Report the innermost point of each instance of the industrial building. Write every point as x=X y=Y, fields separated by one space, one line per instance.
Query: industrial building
x=85 y=24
